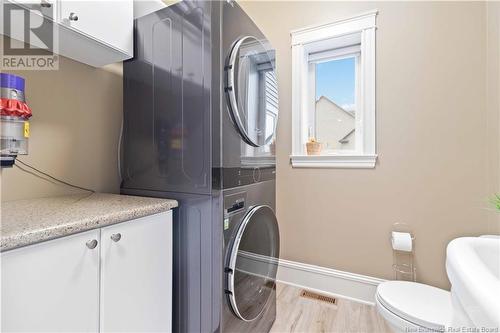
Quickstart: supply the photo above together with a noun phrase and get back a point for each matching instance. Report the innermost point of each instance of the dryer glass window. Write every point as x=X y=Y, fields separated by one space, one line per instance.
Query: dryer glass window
x=252 y=91
x=255 y=263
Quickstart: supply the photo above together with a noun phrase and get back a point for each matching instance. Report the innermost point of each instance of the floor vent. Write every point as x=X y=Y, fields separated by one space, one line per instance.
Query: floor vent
x=318 y=297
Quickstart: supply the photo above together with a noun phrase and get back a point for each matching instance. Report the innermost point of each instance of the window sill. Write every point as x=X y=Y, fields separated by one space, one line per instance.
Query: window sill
x=334 y=161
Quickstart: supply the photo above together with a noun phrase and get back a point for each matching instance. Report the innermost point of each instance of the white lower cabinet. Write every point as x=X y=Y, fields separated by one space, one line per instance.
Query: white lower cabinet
x=51 y=286
x=136 y=276
x=113 y=279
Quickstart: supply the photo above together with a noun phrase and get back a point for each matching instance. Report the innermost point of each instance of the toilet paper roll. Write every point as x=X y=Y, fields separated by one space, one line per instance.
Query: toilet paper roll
x=401 y=241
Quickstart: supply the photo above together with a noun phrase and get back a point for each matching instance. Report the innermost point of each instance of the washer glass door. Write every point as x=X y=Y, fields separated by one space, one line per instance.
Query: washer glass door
x=253 y=263
x=252 y=90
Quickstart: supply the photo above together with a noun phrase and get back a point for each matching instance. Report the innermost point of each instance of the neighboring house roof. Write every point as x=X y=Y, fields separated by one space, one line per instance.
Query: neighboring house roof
x=351 y=113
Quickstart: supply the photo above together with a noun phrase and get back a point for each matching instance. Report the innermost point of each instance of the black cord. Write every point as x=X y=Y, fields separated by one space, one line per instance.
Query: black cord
x=47 y=175
x=36 y=175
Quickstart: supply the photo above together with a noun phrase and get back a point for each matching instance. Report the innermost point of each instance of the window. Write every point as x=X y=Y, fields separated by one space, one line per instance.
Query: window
x=333 y=103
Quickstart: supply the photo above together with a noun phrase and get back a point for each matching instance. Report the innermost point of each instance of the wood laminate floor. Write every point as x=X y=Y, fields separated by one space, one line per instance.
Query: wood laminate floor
x=300 y=314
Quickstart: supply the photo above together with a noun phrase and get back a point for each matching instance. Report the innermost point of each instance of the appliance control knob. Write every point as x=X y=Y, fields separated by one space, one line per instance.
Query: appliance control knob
x=73 y=17
x=91 y=244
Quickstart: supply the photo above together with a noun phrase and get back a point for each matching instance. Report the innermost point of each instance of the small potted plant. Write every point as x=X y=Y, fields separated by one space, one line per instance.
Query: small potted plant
x=272 y=147
x=313 y=147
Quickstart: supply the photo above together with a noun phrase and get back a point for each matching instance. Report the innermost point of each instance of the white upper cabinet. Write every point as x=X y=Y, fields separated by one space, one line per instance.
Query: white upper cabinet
x=46 y=7
x=109 y=22
x=94 y=32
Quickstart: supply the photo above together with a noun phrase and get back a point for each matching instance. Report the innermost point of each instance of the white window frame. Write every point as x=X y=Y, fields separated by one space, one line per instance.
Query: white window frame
x=307 y=43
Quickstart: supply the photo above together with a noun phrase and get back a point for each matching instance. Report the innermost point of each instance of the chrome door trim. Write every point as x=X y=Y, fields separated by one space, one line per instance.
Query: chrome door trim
x=232 y=263
x=230 y=91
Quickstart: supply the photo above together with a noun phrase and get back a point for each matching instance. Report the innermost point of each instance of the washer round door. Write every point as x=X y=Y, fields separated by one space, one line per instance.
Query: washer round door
x=252 y=91
x=253 y=263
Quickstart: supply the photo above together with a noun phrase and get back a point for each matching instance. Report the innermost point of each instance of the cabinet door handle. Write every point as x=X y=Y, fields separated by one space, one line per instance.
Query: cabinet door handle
x=91 y=244
x=73 y=17
x=116 y=237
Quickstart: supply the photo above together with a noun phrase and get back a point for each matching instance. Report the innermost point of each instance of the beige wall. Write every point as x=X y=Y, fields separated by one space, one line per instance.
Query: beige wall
x=493 y=88
x=77 y=112
x=436 y=165
x=438 y=147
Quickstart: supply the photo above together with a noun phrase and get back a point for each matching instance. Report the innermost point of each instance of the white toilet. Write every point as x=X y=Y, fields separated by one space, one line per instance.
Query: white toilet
x=414 y=307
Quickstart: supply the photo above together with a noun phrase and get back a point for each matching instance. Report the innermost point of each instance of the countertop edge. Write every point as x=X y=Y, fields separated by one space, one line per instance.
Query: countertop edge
x=59 y=231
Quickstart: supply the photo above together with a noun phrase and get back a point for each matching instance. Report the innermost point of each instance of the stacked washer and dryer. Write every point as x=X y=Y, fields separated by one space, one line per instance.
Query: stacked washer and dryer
x=200 y=115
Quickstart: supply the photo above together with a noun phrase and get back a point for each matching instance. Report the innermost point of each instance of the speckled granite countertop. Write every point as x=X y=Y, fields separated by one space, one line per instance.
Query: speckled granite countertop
x=26 y=222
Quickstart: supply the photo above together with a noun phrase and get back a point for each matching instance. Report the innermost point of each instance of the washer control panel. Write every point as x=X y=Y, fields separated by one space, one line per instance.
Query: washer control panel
x=234 y=203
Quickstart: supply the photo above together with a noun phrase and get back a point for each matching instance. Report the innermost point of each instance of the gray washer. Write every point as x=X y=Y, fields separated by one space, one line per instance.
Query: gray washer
x=251 y=252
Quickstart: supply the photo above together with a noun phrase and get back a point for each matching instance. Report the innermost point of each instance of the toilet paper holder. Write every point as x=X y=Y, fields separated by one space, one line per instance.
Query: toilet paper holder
x=403 y=253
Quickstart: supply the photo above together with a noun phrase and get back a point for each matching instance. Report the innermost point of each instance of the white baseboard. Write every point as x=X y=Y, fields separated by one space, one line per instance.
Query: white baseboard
x=355 y=287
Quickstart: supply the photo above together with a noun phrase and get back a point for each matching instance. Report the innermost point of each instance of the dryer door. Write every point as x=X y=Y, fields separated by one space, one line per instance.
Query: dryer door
x=253 y=263
x=252 y=91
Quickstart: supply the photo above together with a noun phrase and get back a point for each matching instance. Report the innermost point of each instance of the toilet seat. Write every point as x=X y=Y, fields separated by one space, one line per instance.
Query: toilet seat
x=419 y=304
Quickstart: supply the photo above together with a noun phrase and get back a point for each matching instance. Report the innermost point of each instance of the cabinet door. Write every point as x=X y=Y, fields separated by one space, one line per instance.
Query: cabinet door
x=109 y=21
x=51 y=286
x=136 y=275
x=45 y=7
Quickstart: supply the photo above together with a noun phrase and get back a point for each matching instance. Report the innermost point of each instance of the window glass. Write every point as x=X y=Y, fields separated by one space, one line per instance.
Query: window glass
x=335 y=103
